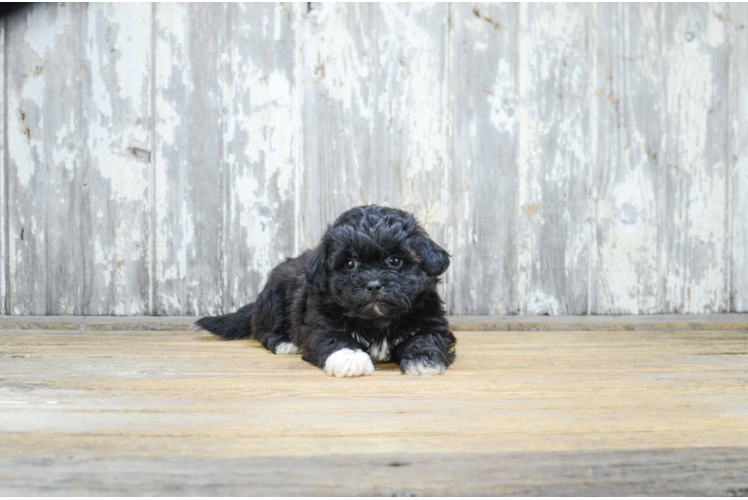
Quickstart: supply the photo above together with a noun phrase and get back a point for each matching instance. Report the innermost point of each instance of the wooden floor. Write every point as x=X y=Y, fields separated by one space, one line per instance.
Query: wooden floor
x=553 y=413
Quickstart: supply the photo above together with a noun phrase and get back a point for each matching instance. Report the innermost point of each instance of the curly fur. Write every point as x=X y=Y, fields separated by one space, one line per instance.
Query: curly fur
x=320 y=306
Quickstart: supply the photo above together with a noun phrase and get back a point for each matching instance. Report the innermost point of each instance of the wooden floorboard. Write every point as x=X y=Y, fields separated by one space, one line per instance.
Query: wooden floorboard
x=112 y=412
x=654 y=322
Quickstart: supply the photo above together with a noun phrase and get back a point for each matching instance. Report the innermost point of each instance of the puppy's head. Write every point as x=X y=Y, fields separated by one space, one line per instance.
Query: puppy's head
x=375 y=262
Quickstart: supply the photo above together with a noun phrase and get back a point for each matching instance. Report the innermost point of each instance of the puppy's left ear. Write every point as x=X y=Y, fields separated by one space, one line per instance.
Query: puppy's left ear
x=433 y=257
x=315 y=271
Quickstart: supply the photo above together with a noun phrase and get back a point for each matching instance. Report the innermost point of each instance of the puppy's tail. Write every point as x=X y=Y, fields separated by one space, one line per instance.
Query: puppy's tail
x=229 y=326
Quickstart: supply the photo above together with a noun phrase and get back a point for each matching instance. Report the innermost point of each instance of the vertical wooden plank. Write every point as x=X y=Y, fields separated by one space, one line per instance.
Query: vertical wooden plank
x=626 y=175
x=189 y=177
x=694 y=254
x=116 y=118
x=3 y=176
x=483 y=188
x=79 y=140
x=376 y=114
x=261 y=144
x=45 y=157
x=738 y=22
x=553 y=240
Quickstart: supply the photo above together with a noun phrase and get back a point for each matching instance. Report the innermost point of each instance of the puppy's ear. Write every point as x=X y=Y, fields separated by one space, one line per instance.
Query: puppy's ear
x=315 y=271
x=433 y=257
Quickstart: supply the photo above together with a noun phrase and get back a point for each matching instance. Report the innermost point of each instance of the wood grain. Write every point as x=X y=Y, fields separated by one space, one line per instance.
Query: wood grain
x=226 y=172
x=3 y=181
x=574 y=159
x=653 y=472
x=626 y=179
x=375 y=113
x=189 y=167
x=45 y=152
x=553 y=226
x=483 y=203
x=117 y=120
x=653 y=323
x=85 y=411
x=261 y=145
x=694 y=161
x=738 y=211
x=79 y=140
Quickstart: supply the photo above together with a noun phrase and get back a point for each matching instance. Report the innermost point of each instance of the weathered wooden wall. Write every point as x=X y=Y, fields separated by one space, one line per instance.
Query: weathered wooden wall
x=574 y=158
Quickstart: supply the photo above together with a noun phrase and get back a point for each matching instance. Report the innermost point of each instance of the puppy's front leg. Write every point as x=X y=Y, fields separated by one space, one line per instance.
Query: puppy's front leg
x=428 y=352
x=338 y=355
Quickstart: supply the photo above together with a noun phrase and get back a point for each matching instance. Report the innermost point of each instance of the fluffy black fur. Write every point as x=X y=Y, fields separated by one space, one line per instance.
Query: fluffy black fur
x=370 y=285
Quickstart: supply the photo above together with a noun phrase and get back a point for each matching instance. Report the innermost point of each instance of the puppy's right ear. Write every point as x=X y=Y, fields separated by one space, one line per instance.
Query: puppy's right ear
x=315 y=271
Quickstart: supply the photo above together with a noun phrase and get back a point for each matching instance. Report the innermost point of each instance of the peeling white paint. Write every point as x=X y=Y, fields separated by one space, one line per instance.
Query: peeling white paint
x=266 y=124
x=739 y=150
x=716 y=23
x=126 y=176
x=551 y=153
x=541 y=304
x=334 y=56
x=356 y=104
x=171 y=82
x=44 y=26
x=24 y=149
x=502 y=99
x=258 y=227
x=118 y=143
x=102 y=261
x=426 y=126
x=695 y=168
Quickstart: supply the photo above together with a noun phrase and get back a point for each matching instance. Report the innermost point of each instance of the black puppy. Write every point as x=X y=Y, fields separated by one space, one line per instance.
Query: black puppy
x=368 y=291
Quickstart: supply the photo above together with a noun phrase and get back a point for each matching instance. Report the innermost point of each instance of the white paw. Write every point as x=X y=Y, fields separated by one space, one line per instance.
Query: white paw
x=194 y=327
x=420 y=368
x=349 y=363
x=286 y=348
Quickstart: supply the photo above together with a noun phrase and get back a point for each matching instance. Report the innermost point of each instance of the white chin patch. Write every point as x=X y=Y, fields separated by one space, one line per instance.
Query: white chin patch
x=286 y=348
x=424 y=369
x=349 y=363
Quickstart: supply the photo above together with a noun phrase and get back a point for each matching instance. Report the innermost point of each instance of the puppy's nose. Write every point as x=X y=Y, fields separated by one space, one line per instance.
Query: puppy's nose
x=373 y=286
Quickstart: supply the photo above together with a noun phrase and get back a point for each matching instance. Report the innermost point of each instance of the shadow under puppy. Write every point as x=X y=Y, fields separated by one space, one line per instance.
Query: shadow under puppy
x=367 y=292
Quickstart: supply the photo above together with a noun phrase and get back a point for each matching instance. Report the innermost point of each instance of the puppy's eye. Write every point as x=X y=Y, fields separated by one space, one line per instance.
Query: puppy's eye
x=395 y=262
x=350 y=264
